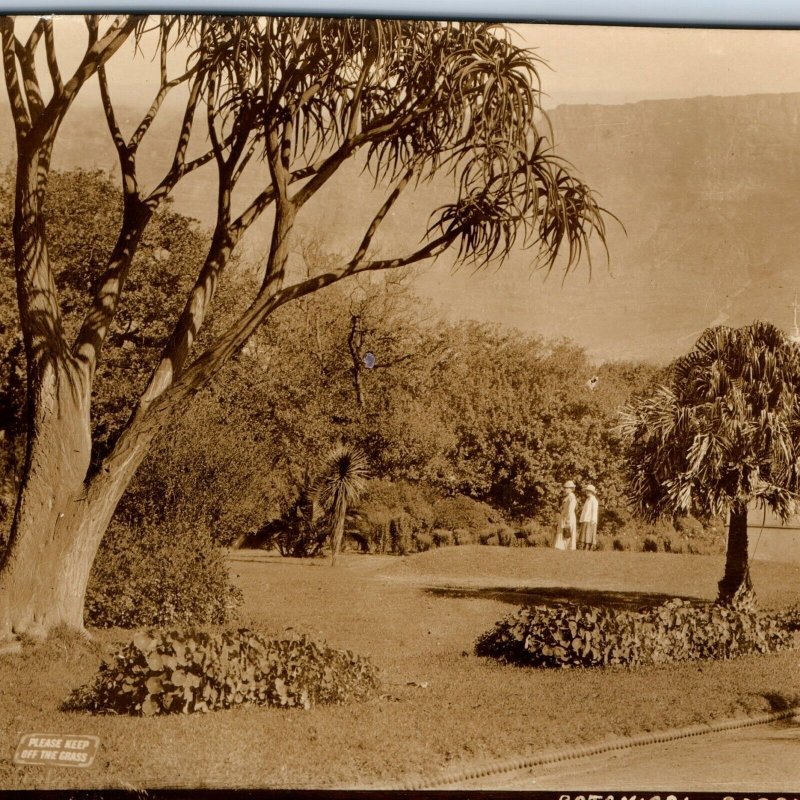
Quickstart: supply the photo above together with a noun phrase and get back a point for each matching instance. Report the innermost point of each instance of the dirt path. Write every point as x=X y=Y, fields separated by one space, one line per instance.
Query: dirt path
x=765 y=758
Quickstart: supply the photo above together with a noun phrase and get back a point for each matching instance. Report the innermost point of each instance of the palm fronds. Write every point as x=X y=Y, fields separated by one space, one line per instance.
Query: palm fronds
x=726 y=431
x=341 y=484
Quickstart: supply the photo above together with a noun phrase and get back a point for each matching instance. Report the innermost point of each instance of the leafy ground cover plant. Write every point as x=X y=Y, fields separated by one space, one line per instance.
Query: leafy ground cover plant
x=573 y=635
x=190 y=671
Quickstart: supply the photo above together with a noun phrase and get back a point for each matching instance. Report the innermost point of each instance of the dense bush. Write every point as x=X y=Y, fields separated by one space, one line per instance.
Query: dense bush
x=423 y=541
x=184 y=672
x=460 y=511
x=586 y=636
x=443 y=537
x=300 y=532
x=650 y=545
x=505 y=536
x=400 y=534
x=464 y=536
x=159 y=575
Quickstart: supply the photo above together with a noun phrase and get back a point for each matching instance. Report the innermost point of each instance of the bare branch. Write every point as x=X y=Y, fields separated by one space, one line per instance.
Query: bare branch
x=179 y=168
x=36 y=35
x=165 y=87
x=237 y=173
x=30 y=79
x=355 y=108
x=206 y=365
x=52 y=61
x=22 y=119
x=97 y=322
x=98 y=52
x=381 y=215
x=111 y=119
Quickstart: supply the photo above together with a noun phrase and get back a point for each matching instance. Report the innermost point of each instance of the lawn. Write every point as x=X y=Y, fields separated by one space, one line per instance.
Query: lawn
x=417 y=617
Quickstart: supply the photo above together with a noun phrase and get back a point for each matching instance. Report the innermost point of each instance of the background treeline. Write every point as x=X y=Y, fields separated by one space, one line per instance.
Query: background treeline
x=469 y=429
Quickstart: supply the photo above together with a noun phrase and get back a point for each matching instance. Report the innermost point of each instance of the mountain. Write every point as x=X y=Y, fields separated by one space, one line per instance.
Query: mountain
x=707 y=191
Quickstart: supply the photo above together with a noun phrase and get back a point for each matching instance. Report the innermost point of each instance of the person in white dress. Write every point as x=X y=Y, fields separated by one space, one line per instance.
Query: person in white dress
x=587 y=539
x=567 y=527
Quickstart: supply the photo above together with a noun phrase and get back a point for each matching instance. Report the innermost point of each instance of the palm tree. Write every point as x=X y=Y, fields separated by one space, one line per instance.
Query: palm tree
x=724 y=434
x=341 y=484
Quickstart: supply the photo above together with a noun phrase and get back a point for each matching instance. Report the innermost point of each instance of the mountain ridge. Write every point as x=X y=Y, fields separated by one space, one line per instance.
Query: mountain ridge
x=706 y=187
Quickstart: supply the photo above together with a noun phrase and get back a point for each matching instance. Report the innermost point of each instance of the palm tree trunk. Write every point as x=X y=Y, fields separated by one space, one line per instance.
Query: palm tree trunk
x=337 y=528
x=737 y=573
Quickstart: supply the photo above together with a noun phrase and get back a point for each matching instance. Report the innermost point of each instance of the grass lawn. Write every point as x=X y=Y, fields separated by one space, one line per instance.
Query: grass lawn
x=417 y=617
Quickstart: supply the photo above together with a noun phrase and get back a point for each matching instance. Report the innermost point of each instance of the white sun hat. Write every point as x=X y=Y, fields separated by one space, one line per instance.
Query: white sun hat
x=590 y=488
x=569 y=485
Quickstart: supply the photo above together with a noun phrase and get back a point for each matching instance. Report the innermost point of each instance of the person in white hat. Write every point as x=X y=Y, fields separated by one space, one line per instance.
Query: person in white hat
x=567 y=527
x=587 y=539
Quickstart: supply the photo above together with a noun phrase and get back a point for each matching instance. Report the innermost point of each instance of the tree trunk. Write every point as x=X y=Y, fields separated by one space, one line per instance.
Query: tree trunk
x=737 y=573
x=61 y=517
x=40 y=553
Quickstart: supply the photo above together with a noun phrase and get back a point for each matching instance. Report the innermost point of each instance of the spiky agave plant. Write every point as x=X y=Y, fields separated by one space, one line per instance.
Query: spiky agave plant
x=341 y=483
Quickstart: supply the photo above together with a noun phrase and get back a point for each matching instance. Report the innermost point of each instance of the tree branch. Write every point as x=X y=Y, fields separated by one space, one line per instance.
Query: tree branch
x=111 y=120
x=381 y=215
x=96 y=55
x=22 y=119
x=208 y=363
x=30 y=79
x=179 y=168
x=98 y=320
x=52 y=61
x=165 y=87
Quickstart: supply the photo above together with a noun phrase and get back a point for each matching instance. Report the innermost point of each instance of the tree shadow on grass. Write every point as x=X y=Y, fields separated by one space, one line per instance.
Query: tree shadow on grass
x=549 y=595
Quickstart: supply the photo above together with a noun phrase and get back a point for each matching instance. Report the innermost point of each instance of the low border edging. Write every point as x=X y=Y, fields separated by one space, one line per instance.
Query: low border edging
x=582 y=751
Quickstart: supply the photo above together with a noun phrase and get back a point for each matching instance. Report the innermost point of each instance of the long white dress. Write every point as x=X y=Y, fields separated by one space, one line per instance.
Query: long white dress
x=567 y=531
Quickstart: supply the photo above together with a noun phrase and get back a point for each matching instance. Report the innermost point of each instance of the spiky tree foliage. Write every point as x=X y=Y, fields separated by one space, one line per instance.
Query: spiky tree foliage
x=342 y=481
x=291 y=100
x=724 y=433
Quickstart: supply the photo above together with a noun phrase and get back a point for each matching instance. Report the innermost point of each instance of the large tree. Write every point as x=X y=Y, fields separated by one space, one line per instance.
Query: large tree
x=725 y=433
x=291 y=101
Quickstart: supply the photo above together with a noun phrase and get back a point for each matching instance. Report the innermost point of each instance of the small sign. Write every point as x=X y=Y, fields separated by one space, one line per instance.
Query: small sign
x=56 y=750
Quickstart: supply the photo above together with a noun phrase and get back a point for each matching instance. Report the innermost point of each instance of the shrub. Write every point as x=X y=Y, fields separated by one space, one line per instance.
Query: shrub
x=705 y=548
x=396 y=497
x=672 y=543
x=587 y=636
x=302 y=530
x=460 y=511
x=464 y=536
x=688 y=525
x=541 y=539
x=164 y=574
x=505 y=536
x=618 y=544
x=400 y=532
x=184 y=672
x=650 y=545
x=423 y=542
x=442 y=537
x=536 y=534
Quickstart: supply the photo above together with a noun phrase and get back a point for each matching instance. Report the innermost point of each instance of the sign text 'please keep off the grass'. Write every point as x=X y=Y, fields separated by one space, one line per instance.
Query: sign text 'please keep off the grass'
x=56 y=750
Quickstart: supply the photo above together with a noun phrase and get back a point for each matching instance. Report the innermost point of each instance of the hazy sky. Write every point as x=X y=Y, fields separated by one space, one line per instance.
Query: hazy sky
x=601 y=64
x=618 y=65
